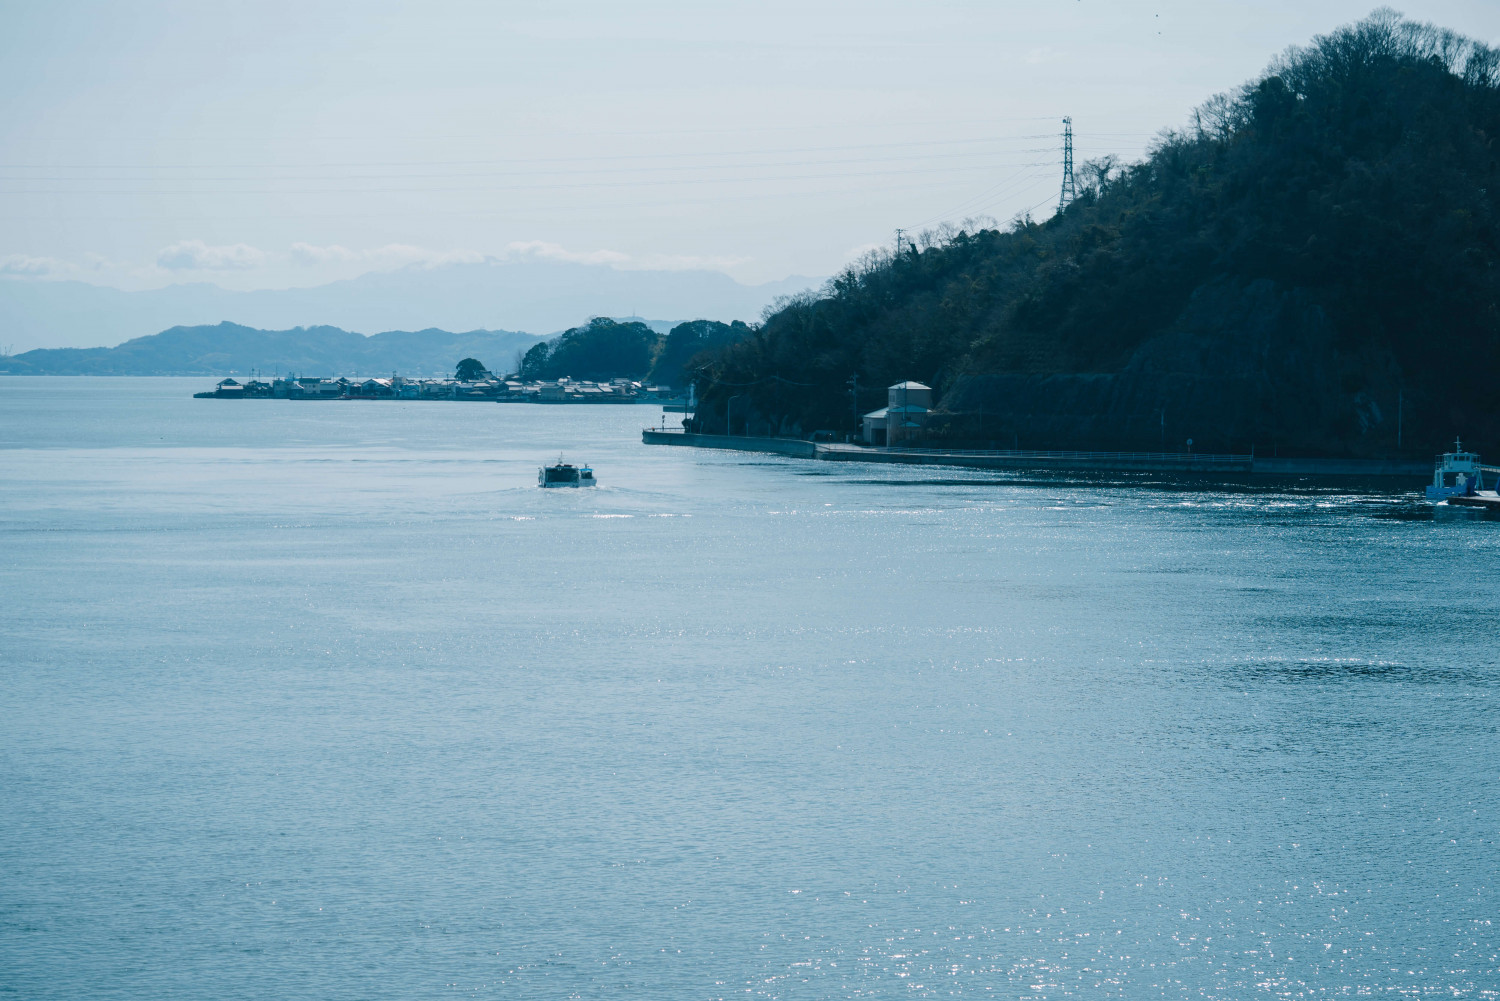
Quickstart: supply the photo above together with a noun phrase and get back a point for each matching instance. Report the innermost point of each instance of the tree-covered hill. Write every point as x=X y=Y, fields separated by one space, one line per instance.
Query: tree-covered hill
x=1313 y=256
x=686 y=345
x=606 y=349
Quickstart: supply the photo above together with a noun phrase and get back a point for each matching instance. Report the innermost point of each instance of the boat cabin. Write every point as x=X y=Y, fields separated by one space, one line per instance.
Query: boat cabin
x=1456 y=474
x=565 y=474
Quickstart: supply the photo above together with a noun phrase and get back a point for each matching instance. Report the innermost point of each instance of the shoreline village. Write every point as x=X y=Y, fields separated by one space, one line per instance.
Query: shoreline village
x=489 y=390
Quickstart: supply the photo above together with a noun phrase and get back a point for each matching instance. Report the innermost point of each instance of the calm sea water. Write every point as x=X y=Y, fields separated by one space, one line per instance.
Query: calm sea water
x=327 y=700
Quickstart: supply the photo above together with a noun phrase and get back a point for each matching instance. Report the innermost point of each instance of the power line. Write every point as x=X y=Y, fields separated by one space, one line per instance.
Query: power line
x=605 y=158
x=202 y=136
x=832 y=193
x=1003 y=189
x=1023 y=192
x=552 y=172
x=1025 y=179
x=1038 y=205
x=568 y=186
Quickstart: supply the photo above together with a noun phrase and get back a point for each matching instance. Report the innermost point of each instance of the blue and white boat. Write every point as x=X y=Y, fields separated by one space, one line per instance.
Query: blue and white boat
x=564 y=474
x=1456 y=474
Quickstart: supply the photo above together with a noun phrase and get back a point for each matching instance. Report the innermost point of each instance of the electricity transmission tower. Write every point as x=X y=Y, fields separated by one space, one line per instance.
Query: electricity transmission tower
x=1069 y=191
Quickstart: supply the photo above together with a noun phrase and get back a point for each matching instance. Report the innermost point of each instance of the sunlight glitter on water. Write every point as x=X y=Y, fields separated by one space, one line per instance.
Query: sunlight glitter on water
x=295 y=711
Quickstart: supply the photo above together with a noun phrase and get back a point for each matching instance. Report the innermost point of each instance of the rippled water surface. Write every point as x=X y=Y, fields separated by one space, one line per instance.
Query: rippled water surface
x=327 y=700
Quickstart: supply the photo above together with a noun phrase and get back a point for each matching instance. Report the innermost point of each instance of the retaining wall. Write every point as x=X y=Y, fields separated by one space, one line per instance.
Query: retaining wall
x=739 y=443
x=1114 y=462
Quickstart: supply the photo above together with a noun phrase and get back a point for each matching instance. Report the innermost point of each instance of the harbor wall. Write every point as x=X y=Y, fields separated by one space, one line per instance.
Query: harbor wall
x=739 y=443
x=1079 y=462
x=1344 y=467
x=1112 y=462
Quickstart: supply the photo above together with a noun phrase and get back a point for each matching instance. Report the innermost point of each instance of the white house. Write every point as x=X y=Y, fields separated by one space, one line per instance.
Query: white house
x=904 y=415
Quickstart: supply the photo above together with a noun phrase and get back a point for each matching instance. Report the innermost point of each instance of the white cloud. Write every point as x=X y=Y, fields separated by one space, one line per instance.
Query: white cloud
x=685 y=262
x=26 y=266
x=401 y=255
x=392 y=255
x=306 y=262
x=307 y=253
x=621 y=261
x=555 y=252
x=863 y=251
x=195 y=255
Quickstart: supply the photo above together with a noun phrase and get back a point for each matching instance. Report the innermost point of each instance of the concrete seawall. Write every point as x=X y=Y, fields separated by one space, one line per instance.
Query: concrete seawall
x=1104 y=462
x=1113 y=462
x=737 y=443
x=1404 y=468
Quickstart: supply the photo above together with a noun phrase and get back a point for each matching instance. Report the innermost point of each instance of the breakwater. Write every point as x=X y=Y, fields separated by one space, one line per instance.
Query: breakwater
x=1016 y=459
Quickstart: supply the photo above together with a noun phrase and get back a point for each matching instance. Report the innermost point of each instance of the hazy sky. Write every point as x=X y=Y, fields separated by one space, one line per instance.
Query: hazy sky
x=272 y=144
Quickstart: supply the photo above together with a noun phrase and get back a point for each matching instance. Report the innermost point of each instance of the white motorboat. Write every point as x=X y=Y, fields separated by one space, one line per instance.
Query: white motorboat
x=565 y=474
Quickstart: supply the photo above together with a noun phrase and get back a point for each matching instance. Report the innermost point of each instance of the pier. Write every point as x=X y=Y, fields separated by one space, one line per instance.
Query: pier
x=1485 y=507
x=1199 y=463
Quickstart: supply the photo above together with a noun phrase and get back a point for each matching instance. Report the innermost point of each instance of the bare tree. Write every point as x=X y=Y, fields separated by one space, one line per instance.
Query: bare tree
x=1098 y=174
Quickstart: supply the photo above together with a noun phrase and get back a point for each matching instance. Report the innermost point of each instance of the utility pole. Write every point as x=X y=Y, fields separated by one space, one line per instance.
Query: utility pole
x=1069 y=189
x=905 y=414
x=853 y=385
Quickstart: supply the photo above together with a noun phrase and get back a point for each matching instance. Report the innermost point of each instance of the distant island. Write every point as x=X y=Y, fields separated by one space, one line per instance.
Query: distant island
x=1312 y=266
x=512 y=293
x=231 y=349
x=603 y=349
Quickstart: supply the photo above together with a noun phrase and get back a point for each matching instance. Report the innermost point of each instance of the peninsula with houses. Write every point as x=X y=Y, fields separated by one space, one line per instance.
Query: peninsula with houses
x=483 y=390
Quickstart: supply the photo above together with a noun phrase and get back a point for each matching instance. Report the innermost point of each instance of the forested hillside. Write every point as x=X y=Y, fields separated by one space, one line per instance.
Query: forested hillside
x=1313 y=255
x=600 y=349
x=606 y=349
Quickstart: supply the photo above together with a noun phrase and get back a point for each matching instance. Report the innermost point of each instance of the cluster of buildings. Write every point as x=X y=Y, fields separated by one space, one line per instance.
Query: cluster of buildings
x=397 y=388
x=900 y=421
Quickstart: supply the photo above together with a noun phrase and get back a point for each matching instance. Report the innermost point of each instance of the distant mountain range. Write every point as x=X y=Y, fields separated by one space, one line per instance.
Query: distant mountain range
x=231 y=349
x=539 y=295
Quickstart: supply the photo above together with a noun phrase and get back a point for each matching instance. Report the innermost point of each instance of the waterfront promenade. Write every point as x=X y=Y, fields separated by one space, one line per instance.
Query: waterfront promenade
x=1016 y=459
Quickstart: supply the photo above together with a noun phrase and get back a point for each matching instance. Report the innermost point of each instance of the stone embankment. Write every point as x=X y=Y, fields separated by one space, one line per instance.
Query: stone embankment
x=1104 y=462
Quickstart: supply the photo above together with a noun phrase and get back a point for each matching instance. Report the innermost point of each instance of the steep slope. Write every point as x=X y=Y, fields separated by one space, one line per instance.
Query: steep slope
x=1315 y=255
x=605 y=348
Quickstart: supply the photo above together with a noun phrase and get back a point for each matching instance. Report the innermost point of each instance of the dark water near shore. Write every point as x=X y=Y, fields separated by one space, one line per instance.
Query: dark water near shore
x=327 y=700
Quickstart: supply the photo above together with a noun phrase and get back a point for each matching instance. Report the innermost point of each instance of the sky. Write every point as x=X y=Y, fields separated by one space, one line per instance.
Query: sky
x=271 y=144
